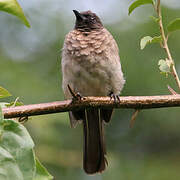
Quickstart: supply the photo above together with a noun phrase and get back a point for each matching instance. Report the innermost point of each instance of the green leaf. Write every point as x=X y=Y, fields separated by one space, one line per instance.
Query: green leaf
x=155 y=19
x=156 y=39
x=4 y=93
x=174 y=25
x=12 y=7
x=17 y=103
x=1 y=122
x=144 y=41
x=17 y=160
x=164 y=66
x=149 y=40
x=41 y=172
x=138 y=3
x=1 y=115
x=3 y=104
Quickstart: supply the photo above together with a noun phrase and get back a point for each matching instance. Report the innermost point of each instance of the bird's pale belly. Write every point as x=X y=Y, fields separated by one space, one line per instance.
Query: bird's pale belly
x=90 y=79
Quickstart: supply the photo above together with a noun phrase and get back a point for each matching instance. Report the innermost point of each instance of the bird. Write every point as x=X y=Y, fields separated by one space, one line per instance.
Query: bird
x=91 y=67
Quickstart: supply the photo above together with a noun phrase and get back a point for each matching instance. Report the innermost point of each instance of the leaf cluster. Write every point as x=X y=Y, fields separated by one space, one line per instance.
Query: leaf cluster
x=17 y=156
x=165 y=66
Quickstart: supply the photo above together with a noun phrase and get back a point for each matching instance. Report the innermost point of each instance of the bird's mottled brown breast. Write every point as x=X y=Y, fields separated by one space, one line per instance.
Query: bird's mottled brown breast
x=80 y=43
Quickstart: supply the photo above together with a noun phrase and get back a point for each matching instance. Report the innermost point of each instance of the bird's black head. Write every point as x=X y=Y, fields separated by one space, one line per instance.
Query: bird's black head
x=87 y=21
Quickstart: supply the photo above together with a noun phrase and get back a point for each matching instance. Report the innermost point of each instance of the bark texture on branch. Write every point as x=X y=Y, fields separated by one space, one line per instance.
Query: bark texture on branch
x=134 y=102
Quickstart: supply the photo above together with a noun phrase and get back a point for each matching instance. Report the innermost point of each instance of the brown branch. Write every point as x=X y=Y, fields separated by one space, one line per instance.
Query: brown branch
x=133 y=118
x=134 y=102
x=171 y=90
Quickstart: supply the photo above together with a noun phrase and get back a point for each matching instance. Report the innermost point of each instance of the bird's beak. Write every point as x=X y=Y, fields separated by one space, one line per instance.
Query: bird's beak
x=78 y=15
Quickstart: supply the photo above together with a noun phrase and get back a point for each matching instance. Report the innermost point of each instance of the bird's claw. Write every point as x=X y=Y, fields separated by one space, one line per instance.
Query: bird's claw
x=75 y=96
x=23 y=119
x=78 y=96
x=116 y=98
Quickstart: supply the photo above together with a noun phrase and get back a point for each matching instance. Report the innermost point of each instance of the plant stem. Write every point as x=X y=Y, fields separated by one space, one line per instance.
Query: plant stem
x=165 y=44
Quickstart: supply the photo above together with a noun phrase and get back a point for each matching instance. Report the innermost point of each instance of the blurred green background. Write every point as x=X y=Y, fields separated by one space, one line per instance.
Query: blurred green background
x=30 y=61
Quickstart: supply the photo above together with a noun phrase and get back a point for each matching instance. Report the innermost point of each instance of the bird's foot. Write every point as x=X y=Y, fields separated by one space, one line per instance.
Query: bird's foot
x=23 y=119
x=116 y=98
x=75 y=96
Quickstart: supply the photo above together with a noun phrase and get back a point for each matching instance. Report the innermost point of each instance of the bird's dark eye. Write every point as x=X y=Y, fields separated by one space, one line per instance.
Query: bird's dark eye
x=93 y=19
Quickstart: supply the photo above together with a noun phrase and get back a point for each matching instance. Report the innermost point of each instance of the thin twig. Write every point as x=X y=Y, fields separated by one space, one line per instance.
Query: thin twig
x=165 y=44
x=16 y=100
x=171 y=90
x=133 y=118
x=134 y=102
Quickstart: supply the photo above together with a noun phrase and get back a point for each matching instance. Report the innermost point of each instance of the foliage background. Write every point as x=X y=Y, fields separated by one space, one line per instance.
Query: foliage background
x=30 y=69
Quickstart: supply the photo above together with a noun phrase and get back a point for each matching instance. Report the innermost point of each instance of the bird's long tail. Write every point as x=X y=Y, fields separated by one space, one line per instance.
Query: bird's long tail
x=94 y=145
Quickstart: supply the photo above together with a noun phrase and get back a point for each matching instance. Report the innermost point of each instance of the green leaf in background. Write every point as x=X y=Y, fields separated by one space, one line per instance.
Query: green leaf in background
x=138 y=3
x=4 y=93
x=1 y=122
x=41 y=172
x=174 y=25
x=1 y=115
x=3 y=104
x=17 y=159
x=155 y=19
x=156 y=39
x=13 y=104
x=144 y=41
x=12 y=7
x=164 y=66
x=149 y=40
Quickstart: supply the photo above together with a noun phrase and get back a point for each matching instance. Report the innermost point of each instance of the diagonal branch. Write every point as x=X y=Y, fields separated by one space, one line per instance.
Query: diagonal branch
x=165 y=43
x=134 y=102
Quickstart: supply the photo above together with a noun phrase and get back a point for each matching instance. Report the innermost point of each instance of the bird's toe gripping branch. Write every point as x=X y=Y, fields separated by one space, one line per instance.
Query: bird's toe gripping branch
x=23 y=119
x=116 y=98
x=75 y=96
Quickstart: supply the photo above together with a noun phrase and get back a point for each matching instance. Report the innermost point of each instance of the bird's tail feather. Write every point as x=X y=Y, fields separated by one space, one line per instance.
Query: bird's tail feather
x=94 y=145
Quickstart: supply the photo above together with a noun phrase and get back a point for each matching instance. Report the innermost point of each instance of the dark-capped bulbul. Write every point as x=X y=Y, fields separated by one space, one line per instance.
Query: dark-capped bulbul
x=91 y=66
